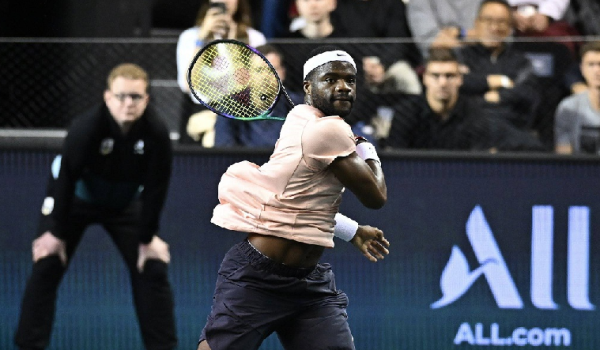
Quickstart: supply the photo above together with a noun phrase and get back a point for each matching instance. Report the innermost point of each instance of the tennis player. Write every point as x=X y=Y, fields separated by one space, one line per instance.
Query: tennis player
x=273 y=281
x=114 y=170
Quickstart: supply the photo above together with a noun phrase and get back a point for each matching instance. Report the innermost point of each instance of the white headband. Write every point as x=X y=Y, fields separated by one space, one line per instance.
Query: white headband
x=326 y=57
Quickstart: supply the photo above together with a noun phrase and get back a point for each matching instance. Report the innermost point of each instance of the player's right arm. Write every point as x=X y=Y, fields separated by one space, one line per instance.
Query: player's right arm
x=363 y=177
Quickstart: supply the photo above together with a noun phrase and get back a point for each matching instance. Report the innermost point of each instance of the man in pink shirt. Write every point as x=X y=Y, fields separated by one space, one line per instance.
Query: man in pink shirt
x=273 y=281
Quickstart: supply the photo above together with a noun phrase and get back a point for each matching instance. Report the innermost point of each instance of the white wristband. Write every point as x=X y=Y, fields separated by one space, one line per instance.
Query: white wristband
x=366 y=150
x=345 y=228
x=505 y=81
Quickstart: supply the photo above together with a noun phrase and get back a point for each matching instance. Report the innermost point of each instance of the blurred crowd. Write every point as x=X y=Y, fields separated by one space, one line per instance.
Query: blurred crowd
x=487 y=75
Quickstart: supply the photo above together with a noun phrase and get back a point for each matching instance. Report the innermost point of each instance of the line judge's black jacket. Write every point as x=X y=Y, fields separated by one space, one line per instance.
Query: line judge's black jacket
x=108 y=169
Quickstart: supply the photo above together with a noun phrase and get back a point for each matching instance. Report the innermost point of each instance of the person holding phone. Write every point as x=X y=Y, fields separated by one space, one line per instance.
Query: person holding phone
x=217 y=19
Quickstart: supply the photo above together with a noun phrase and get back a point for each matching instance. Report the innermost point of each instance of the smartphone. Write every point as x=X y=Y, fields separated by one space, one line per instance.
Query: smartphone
x=220 y=5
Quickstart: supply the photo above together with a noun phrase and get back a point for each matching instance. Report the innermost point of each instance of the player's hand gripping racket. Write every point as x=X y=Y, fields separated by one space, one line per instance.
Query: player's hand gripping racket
x=234 y=80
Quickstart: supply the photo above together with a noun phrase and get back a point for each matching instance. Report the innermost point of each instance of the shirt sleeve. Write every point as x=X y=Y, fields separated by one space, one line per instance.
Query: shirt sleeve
x=326 y=139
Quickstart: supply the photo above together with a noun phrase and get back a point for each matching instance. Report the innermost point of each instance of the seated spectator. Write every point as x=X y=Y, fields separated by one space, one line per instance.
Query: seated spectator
x=314 y=20
x=212 y=23
x=577 y=118
x=441 y=23
x=543 y=18
x=498 y=73
x=259 y=133
x=446 y=120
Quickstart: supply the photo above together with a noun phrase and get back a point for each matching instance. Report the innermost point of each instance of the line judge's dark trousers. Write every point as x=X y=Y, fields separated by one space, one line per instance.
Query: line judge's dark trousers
x=151 y=289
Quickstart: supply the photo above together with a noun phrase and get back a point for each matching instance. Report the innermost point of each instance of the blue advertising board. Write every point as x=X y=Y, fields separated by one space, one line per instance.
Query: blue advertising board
x=487 y=253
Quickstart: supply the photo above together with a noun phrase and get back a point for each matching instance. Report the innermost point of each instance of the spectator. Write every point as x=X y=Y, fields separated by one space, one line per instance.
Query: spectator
x=441 y=23
x=445 y=120
x=264 y=133
x=234 y=22
x=441 y=119
x=577 y=118
x=114 y=170
x=498 y=73
x=543 y=18
x=314 y=20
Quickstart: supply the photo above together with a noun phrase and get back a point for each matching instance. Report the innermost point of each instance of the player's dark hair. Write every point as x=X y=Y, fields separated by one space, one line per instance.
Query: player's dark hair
x=317 y=51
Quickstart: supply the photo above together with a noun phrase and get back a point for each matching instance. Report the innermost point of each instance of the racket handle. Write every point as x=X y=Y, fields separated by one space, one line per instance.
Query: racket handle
x=287 y=97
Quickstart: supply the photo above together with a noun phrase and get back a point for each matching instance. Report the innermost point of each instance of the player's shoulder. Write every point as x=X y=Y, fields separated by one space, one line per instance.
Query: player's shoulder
x=333 y=129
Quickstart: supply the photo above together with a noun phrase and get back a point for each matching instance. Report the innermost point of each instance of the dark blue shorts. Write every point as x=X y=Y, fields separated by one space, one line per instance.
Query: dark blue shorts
x=255 y=296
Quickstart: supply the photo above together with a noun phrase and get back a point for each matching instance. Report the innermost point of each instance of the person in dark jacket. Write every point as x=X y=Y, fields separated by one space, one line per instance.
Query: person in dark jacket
x=497 y=73
x=114 y=170
x=444 y=119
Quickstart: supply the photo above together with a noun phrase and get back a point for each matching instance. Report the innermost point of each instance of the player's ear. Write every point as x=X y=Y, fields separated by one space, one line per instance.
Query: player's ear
x=306 y=87
x=106 y=95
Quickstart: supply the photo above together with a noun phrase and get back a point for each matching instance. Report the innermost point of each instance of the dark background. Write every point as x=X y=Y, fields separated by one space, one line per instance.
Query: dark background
x=100 y=18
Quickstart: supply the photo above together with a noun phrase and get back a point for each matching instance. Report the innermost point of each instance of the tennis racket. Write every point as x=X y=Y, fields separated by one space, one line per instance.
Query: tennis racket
x=236 y=81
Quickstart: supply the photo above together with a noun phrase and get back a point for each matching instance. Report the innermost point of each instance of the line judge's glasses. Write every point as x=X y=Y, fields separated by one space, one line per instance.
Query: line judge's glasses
x=135 y=98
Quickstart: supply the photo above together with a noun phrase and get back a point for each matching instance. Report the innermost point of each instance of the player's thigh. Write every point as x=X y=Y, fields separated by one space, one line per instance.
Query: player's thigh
x=321 y=328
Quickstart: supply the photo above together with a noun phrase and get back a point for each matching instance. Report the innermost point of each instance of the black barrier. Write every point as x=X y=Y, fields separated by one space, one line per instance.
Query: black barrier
x=488 y=252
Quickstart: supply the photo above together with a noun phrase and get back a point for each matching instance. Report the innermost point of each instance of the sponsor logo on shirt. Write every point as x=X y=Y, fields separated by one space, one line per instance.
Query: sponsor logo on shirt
x=138 y=148
x=106 y=147
x=48 y=206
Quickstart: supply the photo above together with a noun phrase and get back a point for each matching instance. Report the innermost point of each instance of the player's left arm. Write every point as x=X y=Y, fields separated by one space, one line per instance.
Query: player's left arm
x=367 y=239
x=362 y=175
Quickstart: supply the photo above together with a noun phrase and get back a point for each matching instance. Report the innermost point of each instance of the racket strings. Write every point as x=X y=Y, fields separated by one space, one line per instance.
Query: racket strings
x=235 y=81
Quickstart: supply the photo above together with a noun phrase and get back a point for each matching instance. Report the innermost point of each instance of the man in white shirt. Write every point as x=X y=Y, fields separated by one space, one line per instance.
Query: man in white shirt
x=577 y=118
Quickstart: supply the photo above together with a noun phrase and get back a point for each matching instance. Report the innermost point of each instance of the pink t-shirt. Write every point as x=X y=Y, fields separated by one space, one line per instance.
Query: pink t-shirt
x=294 y=195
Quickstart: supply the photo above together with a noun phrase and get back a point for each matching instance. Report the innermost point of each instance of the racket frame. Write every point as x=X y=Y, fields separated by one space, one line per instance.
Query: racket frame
x=265 y=115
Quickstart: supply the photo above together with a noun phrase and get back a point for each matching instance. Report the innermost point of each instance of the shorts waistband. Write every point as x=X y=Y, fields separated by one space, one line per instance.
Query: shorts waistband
x=264 y=263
